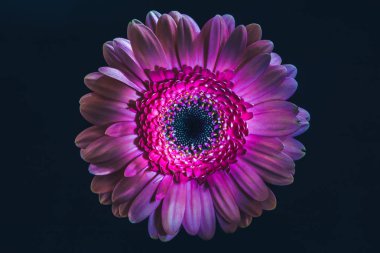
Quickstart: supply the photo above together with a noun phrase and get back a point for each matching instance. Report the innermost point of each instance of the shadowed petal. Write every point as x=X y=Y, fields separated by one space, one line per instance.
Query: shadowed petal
x=207 y=227
x=293 y=148
x=185 y=38
x=103 y=184
x=167 y=33
x=226 y=226
x=254 y=33
x=245 y=221
x=89 y=135
x=121 y=129
x=136 y=166
x=230 y=23
x=164 y=187
x=151 y=19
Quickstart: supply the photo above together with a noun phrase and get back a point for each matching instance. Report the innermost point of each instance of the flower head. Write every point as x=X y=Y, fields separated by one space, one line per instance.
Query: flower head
x=190 y=125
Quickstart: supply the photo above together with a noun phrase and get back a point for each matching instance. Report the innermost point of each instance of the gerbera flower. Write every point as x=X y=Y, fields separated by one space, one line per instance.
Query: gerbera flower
x=190 y=125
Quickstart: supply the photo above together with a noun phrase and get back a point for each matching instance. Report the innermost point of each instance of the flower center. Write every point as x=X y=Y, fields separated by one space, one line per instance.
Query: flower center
x=191 y=124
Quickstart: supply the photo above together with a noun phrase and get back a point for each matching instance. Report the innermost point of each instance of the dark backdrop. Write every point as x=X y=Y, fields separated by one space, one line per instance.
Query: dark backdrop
x=48 y=46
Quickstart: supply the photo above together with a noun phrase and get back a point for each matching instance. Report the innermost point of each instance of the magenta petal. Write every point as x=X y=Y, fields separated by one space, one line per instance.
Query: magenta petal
x=108 y=148
x=103 y=184
x=100 y=111
x=110 y=88
x=89 y=135
x=230 y=23
x=173 y=208
x=250 y=71
x=192 y=218
x=275 y=59
x=282 y=91
x=222 y=197
x=144 y=204
x=146 y=46
x=292 y=70
x=167 y=32
x=151 y=19
x=129 y=187
x=277 y=169
x=274 y=118
x=250 y=182
x=293 y=148
x=164 y=187
x=263 y=144
x=257 y=48
x=136 y=166
x=185 y=38
x=207 y=227
x=121 y=129
x=254 y=33
x=119 y=76
x=226 y=226
x=233 y=50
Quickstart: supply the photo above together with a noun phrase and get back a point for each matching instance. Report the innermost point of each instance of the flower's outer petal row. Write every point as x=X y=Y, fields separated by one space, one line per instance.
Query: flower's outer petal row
x=254 y=33
x=274 y=118
x=304 y=117
x=119 y=55
x=230 y=23
x=146 y=46
x=294 y=148
x=89 y=135
x=110 y=88
x=101 y=111
x=185 y=38
x=192 y=218
x=152 y=19
x=166 y=32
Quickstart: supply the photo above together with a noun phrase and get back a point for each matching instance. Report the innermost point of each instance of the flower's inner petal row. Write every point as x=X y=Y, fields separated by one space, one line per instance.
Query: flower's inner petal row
x=192 y=124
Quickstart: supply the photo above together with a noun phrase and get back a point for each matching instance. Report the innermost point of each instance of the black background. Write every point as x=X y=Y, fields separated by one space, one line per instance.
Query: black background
x=47 y=47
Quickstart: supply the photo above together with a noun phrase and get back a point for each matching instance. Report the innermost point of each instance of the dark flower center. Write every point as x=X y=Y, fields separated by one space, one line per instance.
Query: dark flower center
x=192 y=127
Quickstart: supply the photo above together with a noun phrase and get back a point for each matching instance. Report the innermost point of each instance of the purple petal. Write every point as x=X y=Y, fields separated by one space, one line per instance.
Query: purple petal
x=119 y=76
x=282 y=91
x=223 y=198
x=254 y=33
x=293 y=148
x=89 y=135
x=250 y=182
x=250 y=71
x=167 y=32
x=103 y=184
x=274 y=118
x=129 y=187
x=207 y=227
x=185 y=38
x=176 y=16
x=164 y=187
x=192 y=218
x=226 y=226
x=146 y=46
x=121 y=129
x=270 y=203
x=173 y=208
x=144 y=204
x=263 y=144
x=292 y=70
x=257 y=48
x=245 y=221
x=231 y=54
x=136 y=166
x=275 y=59
x=230 y=23
x=151 y=19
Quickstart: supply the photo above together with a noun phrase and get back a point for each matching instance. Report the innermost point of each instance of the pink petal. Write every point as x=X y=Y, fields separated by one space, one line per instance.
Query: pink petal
x=108 y=148
x=136 y=166
x=274 y=118
x=257 y=48
x=207 y=227
x=176 y=16
x=103 y=184
x=120 y=76
x=166 y=32
x=230 y=23
x=254 y=33
x=129 y=187
x=250 y=182
x=282 y=91
x=263 y=144
x=277 y=169
x=144 y=204
x=250 y=71
x=100 y=111
x=192 y=218
x=110 y=88
x=231 y=54
x=108 y=167
x=275 y=59
x=164 y=187
x=121 y=129
x=226 y=226
x=303 y=117
x=223 y=198
x=89 y=135
x=185 y=38
x=293 y=148
x=152 y=19
x=173 y=208
x=146 y=46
